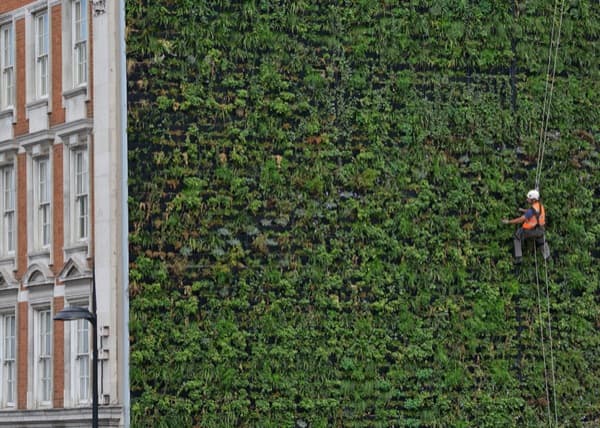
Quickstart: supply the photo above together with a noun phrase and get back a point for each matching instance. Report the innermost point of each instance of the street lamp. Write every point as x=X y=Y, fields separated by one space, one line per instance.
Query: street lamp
x=72 y=313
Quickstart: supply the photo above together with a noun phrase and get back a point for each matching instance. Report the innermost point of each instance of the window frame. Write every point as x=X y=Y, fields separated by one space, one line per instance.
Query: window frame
x=42 y=202
x=81 y=380
x=8 y=369
x=81 y=193
x=8 y=209
x=7 y=66
x=41 y=53
x=79 y=39
x=43 y=363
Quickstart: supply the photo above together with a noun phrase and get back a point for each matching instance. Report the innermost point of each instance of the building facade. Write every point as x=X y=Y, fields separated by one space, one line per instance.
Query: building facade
x=63 y=218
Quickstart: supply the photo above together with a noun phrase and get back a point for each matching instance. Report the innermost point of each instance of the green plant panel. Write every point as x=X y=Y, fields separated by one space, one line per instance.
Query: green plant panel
x=316 y=191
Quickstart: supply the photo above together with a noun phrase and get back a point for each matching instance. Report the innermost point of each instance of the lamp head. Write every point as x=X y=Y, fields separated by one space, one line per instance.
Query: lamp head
x=72 y=313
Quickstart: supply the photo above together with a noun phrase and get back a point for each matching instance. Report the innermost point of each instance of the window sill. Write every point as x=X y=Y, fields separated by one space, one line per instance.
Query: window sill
x=8 y=261
x=79 y=246
x=42 y=102
x=6 y=113
x=39 y=254
x=75 y=92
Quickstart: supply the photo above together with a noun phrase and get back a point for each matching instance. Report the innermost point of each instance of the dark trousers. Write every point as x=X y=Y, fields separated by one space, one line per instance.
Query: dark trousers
x=537 y=234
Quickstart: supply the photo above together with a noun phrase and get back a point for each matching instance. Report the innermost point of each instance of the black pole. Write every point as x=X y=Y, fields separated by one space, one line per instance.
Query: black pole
x=94 y=354
x=73 y=313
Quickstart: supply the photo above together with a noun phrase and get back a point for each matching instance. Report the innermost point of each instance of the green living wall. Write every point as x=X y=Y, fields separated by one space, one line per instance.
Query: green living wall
x=316 y=189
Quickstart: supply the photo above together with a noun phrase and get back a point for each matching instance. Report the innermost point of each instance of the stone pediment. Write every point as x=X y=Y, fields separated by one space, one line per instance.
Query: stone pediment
x=75 y=268
x=38 y=274
x=7 y=278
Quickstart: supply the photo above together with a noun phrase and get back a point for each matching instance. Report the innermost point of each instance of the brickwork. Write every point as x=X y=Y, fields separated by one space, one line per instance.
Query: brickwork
x=59 y=355
x=58 y=224
x=22 y=125
x=58 y=112
x=22 y=215
x=22 y=346
x=8 y=5
x=39 y=132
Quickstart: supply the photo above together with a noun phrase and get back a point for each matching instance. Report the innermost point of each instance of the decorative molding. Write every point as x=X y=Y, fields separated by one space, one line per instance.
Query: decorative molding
x=38 y=274
x=99 y=7
x=7 y=278
x=6 y=19
x=73 y=127
x=8 y=156
x=74 y=92
x=109 y=416
x=8 y=112
x=42 y=102
x=8 y=297
x=76 y=268
x=40 y=137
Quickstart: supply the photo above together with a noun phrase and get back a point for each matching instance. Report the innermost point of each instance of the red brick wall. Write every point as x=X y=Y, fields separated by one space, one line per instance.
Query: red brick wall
x=58 y=112
x=59 y=355
x=22 y=214
x=8 y=5
x=23 y=320
x=22 y=125
x=58 y=224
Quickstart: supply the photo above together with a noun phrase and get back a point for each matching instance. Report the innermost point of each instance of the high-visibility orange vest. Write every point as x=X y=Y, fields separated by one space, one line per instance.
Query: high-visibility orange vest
x=538 y=219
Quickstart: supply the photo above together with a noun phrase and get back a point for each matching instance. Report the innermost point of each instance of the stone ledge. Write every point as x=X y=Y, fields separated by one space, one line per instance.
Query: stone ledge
x=108 y=416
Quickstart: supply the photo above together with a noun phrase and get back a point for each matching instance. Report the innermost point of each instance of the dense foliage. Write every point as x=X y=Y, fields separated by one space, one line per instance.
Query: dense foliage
x=316 y=190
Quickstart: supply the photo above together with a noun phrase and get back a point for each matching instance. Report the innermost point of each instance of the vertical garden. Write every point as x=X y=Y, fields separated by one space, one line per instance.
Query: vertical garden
x=316 y=189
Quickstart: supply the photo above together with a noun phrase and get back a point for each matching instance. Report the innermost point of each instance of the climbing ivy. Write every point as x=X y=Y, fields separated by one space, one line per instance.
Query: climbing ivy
x=316 y=191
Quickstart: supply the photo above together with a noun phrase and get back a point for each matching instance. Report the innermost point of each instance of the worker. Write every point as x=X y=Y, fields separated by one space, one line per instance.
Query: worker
x=533 y=223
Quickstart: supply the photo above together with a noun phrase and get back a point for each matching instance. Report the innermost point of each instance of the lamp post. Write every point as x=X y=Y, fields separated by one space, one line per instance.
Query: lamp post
x=73 y=313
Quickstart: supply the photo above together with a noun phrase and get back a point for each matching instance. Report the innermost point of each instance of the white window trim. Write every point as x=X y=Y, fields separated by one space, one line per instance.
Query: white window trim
x=41 y=55
x=6 y=361
x=38 y=226
x=74 y=361
x=38 y=382
x=79 y=47
x=78 y=137
x=8 y=210
x=7 y=66
x=79 y=236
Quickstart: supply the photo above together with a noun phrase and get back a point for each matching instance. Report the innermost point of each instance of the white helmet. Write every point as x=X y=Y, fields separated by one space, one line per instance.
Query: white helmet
x=533 y=194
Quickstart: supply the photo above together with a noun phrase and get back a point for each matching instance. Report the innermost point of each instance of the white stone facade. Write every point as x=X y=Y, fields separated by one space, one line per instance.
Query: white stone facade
x=63 y=212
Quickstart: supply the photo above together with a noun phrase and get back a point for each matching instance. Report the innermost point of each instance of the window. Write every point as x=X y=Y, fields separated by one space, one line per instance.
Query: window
x=81 y=362
x=7 y=64
x=80 y=35
x=7 y=181
x=43 y=355
x=41 y=54
x=8 y=358
x=43 y=198
x=81 y=178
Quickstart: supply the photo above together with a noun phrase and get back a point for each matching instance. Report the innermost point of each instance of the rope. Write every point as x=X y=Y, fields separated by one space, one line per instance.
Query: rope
x=539 y=302
x=545 y=105
x=548 y=93
x=552 y=370
x=548 y=98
